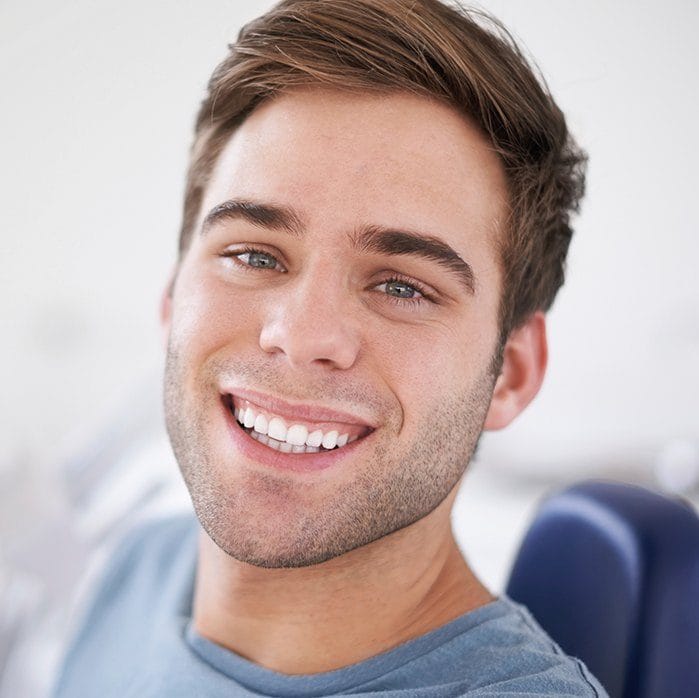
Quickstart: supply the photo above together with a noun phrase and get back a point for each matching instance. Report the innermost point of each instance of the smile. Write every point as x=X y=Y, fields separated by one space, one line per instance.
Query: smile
x=287 y=434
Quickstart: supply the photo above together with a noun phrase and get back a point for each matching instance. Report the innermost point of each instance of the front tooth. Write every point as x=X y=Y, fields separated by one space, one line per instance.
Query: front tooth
x=297 y=435
x=315 y=438
x=285 y=447
x=249 y=418
x=277 y=429
x=342 y=440
x=330 y=439
x=298 y=449
x=261 y=424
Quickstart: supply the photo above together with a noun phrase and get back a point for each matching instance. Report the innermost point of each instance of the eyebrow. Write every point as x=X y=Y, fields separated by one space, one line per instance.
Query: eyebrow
x=367 y=239
x=390 y=241
x=267 y=216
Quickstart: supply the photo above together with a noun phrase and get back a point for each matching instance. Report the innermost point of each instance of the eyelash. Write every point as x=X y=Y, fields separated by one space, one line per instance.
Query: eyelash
x=411 y=303
x=407 y=302
x=235 y=254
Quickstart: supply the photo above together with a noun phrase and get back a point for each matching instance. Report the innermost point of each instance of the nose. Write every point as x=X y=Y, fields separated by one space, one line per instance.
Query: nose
x=310 y=323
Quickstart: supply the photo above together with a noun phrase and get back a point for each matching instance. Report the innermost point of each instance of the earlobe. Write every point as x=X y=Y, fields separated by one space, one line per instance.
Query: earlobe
x=523 y=368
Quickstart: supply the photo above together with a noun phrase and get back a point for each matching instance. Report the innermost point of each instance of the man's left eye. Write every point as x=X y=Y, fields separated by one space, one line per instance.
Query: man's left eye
x=405 y=292
x=399 y=289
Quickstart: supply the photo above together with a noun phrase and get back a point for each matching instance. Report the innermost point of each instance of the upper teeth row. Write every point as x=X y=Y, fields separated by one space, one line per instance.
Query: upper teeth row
x=296 y=435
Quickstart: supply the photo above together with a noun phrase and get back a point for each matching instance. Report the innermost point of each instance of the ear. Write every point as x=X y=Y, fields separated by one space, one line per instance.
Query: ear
x=166 y=307
x=523 y=368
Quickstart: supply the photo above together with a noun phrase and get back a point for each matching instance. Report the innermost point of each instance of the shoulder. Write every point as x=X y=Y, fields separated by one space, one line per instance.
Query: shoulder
x=149 y=554
x=509 y=653
x=155 y=541
x=146 y=583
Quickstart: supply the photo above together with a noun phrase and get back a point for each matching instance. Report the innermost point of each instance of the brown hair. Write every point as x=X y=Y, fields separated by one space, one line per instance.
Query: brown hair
x=427 y=48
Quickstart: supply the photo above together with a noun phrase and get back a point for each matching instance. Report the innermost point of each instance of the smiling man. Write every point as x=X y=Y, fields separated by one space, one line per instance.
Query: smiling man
x=376 y=219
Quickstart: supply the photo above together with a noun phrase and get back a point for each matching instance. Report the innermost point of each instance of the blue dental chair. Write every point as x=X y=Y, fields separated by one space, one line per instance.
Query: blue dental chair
x=611 y=572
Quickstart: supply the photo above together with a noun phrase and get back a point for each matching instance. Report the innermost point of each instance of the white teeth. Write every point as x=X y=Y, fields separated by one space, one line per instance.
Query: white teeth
x=277 y=429
x=297 y=435
x=315 y=438
x=282 y=446
x=262 y=438
x=261 y=424
x=330 y=439
x=274 y=433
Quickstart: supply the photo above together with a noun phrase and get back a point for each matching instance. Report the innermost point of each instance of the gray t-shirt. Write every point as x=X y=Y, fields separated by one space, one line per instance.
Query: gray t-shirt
x=137 y=641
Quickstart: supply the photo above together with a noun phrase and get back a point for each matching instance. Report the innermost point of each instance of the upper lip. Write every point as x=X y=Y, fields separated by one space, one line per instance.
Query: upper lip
x=297 y=410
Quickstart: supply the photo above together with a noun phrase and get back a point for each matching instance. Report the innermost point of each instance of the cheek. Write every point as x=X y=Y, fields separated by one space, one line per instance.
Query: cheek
x=415 y=365
x=426 y=366
x=208 y=314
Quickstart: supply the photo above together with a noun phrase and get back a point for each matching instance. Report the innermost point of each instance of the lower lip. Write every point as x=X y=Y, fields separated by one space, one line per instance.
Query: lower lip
x=299 y=462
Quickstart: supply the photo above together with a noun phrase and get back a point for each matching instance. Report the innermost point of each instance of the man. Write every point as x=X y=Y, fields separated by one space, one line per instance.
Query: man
x=376 y=219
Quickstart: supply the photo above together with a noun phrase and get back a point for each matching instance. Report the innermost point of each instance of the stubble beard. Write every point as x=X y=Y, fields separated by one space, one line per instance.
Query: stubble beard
x=261 y=518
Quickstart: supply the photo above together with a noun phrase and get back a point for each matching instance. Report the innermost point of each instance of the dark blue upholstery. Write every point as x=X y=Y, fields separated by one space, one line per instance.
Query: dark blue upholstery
x=611 y=571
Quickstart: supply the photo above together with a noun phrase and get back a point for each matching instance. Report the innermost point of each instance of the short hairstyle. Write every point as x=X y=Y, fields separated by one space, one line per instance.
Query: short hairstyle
x=458 y=56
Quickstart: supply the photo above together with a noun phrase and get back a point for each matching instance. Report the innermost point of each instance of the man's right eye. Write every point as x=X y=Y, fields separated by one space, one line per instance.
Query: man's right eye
x=251 y=258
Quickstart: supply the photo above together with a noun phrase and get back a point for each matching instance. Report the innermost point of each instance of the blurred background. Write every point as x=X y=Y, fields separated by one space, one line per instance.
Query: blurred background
x=98 y=102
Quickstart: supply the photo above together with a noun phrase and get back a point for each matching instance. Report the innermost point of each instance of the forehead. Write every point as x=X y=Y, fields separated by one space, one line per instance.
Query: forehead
x=342 y=159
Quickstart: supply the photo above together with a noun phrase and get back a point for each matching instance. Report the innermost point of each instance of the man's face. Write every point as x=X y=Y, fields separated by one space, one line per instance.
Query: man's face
x=329 y=273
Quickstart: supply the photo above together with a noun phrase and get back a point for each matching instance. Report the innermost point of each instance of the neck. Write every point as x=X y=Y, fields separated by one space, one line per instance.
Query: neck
x=319 y=618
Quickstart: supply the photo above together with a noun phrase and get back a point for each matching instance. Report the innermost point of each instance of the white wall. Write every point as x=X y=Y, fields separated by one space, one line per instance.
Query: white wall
x=98 y=100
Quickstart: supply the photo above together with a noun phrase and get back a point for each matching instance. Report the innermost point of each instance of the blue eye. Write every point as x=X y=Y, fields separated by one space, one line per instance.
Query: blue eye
x=259 y=260
x=400 y=289
x=251 y=258
x=406 y=293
